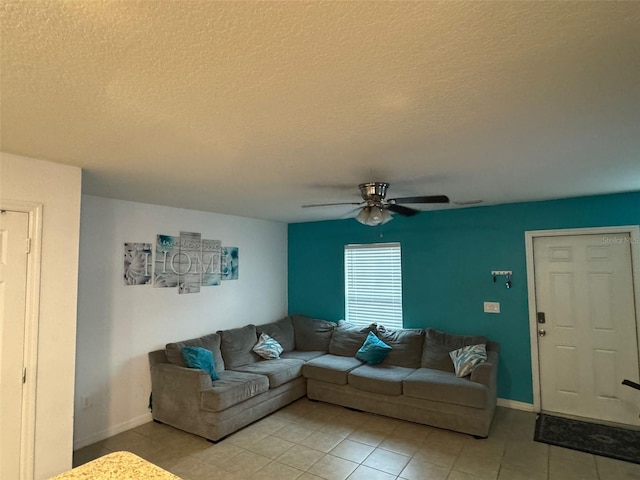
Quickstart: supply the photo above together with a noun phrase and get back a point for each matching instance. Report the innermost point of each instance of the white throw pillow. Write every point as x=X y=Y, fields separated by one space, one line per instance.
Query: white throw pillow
x=466 y=359
x=268 y=347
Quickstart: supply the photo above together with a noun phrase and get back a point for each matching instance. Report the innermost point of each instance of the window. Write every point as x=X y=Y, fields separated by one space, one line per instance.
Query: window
x=373 y=284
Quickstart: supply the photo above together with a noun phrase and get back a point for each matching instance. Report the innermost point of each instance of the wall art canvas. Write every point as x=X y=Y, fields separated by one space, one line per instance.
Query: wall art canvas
x=211 y=250
x=190 y=273
x=165 y=273
x=137 y=263
x=229 y=265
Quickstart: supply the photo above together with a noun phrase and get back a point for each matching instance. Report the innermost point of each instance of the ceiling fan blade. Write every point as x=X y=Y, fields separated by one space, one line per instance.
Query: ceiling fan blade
x=425 y=199
x=331 y=204
x=406 y=211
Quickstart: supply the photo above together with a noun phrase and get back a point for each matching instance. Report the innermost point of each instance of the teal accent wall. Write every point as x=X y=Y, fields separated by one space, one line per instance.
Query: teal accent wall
x=447 y=257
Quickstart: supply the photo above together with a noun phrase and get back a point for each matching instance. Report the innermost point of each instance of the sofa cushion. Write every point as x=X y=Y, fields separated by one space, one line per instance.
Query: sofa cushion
x=304 y=356
x=439 y=386
x=312 y=334
x=210 y=342
x=201 y=358
x=282 y=331
x=330 y=368
x=406 y=346
x=437 y=345
x=233 y=388
x=383 y=378
x=466 y=359
x=236 y=346
x=347 y=338
x=373 y=350
x=278 y=371
x=267 y=347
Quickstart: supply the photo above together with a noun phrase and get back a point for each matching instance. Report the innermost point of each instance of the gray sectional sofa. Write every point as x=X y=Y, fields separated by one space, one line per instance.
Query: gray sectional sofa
x=415 y=382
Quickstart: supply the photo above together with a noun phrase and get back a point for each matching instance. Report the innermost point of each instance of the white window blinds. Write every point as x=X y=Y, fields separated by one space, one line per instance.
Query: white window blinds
x=373 y=284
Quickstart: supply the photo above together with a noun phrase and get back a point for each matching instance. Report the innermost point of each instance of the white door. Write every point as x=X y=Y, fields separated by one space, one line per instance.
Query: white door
x=14 y=228
x=584 y=287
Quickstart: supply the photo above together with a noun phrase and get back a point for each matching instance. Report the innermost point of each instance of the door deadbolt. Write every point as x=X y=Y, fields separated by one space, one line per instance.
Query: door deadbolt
x=542 y=332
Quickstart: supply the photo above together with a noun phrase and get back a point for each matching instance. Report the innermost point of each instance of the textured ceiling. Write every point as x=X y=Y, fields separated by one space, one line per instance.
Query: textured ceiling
x=254 y=109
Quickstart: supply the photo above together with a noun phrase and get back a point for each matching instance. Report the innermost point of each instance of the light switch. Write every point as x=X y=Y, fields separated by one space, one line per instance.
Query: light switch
x=492 y=307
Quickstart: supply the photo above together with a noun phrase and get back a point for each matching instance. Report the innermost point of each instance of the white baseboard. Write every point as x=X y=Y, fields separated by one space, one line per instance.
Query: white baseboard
x=505 y=402
x=111 y=431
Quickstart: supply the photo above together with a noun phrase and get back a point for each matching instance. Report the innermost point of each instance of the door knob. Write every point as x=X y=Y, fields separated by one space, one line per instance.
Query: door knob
x=542 y=332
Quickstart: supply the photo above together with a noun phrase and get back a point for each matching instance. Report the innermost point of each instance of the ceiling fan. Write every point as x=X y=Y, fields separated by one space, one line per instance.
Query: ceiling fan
x=375 y=208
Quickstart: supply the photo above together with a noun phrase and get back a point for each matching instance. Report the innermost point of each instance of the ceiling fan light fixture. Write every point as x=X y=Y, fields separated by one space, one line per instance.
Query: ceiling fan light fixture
x=373 y=216
x=363 y=216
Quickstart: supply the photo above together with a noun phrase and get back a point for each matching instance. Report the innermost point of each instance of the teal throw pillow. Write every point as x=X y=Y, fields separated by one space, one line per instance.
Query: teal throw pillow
x=373 y=350
x=198 y=357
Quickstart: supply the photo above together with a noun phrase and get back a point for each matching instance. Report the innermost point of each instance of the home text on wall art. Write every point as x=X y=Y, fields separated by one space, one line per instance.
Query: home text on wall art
x=190 y=271
x=187 y=261
x=165 y=273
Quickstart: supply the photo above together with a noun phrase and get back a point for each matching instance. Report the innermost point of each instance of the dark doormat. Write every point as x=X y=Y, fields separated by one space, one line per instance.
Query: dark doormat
x=612 y=442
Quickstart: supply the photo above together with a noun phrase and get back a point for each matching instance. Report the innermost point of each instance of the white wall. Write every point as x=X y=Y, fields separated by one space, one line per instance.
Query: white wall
x=118 y=325
x=57 y=188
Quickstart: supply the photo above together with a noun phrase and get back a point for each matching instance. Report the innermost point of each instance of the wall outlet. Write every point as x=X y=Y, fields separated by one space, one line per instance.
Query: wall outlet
x=492 y=307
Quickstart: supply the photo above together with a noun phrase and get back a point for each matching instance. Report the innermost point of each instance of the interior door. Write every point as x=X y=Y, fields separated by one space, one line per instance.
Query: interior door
x=588 y=342
x=14 y=229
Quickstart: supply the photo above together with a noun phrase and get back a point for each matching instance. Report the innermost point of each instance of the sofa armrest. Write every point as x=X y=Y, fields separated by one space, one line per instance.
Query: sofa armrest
x=182 y=380
x=177 y=392
x=157 y=356
x=486 y=372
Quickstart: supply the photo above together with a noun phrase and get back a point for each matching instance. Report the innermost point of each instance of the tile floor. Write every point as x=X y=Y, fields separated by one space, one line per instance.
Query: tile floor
x=312 y=440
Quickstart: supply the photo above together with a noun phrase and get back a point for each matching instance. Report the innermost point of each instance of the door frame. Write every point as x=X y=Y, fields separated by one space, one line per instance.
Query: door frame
x=634 y=235
x=32 y=317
